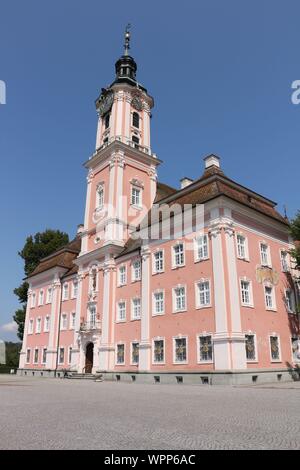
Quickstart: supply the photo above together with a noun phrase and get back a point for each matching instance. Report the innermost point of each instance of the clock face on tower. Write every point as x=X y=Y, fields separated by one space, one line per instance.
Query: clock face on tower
x=137 y=103
x=106 y=103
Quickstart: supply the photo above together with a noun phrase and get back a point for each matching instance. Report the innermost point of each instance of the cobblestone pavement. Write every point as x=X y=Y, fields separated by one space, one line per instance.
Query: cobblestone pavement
x=72 y=414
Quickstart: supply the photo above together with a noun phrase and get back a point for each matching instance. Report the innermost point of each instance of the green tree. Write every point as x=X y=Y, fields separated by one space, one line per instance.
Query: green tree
x=295 y=232
x=36 y=247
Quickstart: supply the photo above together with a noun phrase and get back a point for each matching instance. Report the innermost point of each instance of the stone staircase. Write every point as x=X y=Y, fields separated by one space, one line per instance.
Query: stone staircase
x=78 y=376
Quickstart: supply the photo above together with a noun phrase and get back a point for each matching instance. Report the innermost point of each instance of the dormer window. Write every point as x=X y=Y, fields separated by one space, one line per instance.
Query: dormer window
x=106 y=120
x=136 y=120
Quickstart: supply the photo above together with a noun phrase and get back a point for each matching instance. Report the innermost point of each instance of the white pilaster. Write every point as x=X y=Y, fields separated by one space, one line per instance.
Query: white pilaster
x=105 y=348
x=54 y=323
x=145 y=343
x=84 y=242
x=24 y=344
x=76 y=349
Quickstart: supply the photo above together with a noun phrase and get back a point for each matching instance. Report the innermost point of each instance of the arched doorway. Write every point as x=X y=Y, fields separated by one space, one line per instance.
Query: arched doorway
x=89 y=358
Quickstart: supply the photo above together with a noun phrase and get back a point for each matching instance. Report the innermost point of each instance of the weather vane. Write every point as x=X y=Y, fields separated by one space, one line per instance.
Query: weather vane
x=127 y=39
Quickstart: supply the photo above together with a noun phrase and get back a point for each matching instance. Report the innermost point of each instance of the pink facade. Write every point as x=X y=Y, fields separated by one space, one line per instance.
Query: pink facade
x=219 y=299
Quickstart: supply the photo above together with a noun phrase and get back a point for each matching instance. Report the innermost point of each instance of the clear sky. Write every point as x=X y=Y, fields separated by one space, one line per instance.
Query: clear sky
x=220 y=73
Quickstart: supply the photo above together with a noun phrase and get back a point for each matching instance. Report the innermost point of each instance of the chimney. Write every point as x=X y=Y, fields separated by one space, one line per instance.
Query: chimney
x=184 y=182
x=211 y=160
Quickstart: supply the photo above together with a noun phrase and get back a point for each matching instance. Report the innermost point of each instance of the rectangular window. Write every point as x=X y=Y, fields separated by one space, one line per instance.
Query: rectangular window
x=136 y=271
x=178 y=251
x=158 y=300
x=33 y=299
x=28 y=356
x=92 y=315
x=179 y=299
x=61 y=356
x=70 y=355
x=295 y=349
x=264 y=255
x=65 y=291
x=159 y=351
x=269 y=297
x=241 y=246
x=135 y=353
x=202 y=248
x=41 y=297
x=284 y=261
x=30 y=327
x=120 y=353
x=122 y=275
x=246 y=292
x=49 y=295
x=74 y=289
x=44 y=356
x=289 y=300
x=72 y=320
x=136 y=309
x=136 y=199
x=274 y=347
x=180 y=350
x=121 y=311
x=205 y=348
x=64 y=321
x=38 y=325
x=250 y=347
x=158 y=261
x=203 y=294
x=100 y=197
x=47 y=324
x=36 y=356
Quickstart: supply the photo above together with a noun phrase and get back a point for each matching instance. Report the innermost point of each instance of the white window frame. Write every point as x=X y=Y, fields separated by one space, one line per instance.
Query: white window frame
x=38 y=356
x=65 y=288
x=163 y=362
x=116 y=354
x=273 y=308
x=41 y=297
x=140 y=192
x=154 y=312
x=135 y=270
x=118 y=319
x=133 y=308
x=204 y=334
x=246 y=247
x=33 y=300
x=26 y=359
x=31 y=326
x=197 y=294
x=252 y=361
x=120 y=281
x=131 y=351
x=269 y=261
x=162 y=259
x=174 y=349
x=42 y=360
x=47 y=326
x=49 y=295
x=174 y=309
x=279 y=347
x=296 y=337
x=174 y=264
x=251 y=303
x=38 y=325
x=72 y=321
x=64 y=324
x=292 y=308
x=201 y=236
x=74 y=291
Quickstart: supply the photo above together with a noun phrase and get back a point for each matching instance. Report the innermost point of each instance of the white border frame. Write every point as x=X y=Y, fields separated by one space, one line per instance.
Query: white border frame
x=197 y=303
x=174 y=349
x=159 y=338
x=179 y=286
x=203 y=334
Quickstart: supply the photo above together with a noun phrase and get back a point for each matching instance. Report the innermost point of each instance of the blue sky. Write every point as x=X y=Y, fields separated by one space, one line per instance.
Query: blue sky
x=220 y=73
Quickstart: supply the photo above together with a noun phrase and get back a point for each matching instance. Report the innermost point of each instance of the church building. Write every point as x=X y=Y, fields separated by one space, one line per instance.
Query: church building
x=163 y=285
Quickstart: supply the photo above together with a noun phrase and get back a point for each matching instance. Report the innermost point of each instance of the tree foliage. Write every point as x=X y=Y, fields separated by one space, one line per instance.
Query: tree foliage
x=36 y=247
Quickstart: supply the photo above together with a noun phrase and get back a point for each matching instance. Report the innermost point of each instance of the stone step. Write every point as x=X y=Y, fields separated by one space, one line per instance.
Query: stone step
x=83 y=376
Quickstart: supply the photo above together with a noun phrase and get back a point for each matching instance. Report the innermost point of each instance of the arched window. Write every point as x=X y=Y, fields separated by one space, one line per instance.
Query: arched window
x=106 y=120
x=136 y=120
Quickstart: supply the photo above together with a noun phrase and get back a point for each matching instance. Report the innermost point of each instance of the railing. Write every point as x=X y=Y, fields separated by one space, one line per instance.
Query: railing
x=130 y=143
x=90 y=326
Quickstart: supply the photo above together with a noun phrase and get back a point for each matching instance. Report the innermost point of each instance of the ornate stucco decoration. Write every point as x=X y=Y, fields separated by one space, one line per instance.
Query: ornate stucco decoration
x=265 y=274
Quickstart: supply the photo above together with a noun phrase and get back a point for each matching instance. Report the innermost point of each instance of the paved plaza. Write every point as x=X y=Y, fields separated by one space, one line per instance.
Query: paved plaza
x=72 y=414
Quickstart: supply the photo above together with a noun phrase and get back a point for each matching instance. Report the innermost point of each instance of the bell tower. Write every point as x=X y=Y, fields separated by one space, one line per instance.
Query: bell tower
x=122 y=170
x=124 y=108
